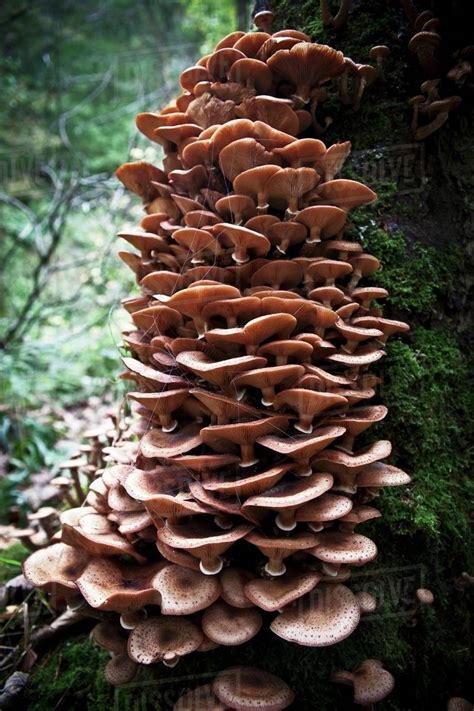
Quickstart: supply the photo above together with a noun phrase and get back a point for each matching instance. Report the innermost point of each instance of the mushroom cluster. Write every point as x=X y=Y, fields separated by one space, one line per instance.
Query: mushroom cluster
x=430 y=107
x=249 y=364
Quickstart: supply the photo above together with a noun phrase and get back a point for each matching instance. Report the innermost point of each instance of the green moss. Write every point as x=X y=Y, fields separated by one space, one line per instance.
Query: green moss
x=426 y=386
x=71 y=678
x=10 y=561
x=416 y=275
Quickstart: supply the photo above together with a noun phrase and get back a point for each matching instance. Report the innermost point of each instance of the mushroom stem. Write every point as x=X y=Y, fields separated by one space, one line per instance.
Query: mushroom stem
x=77 y=484
x=212 y=566
x=248 y=458
x=343 y=13
x=275 y=567
x=286 y=520
x=325 y=13
x=167 y=423
x=268 y=393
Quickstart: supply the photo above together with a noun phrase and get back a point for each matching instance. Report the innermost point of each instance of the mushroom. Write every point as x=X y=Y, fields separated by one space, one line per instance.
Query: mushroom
x=203 y=542
x=276 y=593
x=424 y=45
x=250 y=688
x=286 y=498
x=163 y=639
x=199 y=699
x=329 y=614
x=184 y=591
x=230 y=626
x=306 y=66
x=371 y=682
x=379 y=53
x=244 y=434
x=277 y=549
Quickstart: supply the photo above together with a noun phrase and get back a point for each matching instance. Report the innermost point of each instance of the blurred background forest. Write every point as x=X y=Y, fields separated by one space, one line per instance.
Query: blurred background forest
x=73 y=77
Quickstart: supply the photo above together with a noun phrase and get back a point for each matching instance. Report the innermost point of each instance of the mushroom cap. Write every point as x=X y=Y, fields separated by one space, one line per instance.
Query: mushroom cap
x=328 y=507
x=110 y=636
x=248 y=688
x=367 y=602
x=253 y=484
x=233 y=581
x=184 y=591
x=381 y=474
x=292 y=494
x=120 y=669
x=110 y=585
x=425 y=596
x=457 y=703
x=163 y=639
x=60 y=563
x=341 y=548
x=193 y=536
x=372 y=683
x=230 y=626
x=304 y=446
x=306 y=64
x=276 y=593
x=200 y=699
x=159 y=444
x=345 y=194
x=329 y=614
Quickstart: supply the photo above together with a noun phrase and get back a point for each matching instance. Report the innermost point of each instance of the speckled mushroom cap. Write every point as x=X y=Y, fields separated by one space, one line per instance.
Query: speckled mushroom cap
x=184 y=591
x=344 y=548
x=163 y=639
x=110 y=585
x=329 y=614
x=229 y=625
x=120 y=669
x=277 y=593
x=371 y=682
x=110 y=636
x=248 y=688
x=59 y=564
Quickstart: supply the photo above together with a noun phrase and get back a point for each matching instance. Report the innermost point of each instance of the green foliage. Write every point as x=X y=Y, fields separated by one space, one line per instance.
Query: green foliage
x=11 y=559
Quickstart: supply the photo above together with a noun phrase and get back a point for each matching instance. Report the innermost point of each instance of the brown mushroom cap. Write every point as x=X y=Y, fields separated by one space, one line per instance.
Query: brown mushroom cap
x=59 y=563
x=200 y=699
x=120 y=669
x=287 y=497
x=371 y=682
x=110 y=585
x=302 y=448
x=163 y=639
x=345 y=194
x=184 y=591
x=425 y=596
x=338 y=548
x=110 y=636
x=276 y=593
x=248 y=688
x=233 y=581
x=329 y=614
x=230 y=626
x=203 y=542
x=276 y=549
